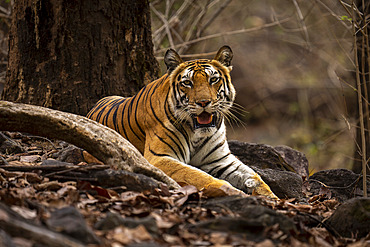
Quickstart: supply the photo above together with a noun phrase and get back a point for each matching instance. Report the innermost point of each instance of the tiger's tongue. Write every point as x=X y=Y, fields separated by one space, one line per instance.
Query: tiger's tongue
x=204 y=118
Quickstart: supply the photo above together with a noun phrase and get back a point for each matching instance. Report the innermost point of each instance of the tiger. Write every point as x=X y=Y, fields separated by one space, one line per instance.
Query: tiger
x=178 y=123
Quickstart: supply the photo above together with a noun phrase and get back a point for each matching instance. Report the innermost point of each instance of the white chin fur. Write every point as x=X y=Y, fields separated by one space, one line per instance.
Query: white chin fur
x=204 y=132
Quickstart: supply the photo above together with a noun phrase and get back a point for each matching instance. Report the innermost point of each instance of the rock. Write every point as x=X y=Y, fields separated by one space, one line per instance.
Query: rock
x=352 y=218
x=69 y=221
x=253 y=222
x=342 y=183
x=282 y=168
x=268 y=217
x=295 y=159
x=259 y=155
x=71 y=154
x=251 y=210
x=113 y=220
x=264 y=156
x=283 y=183
x=8 y=146
x=253 y=229
x=232 y=203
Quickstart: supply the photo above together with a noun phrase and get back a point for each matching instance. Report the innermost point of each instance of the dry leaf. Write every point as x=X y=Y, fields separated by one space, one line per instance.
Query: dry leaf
x=52 y=185
x=171 y=239
x=218 y=237
x=128 y=235
x=33 y=177
x=106 y=193
x=324 y=191
x=91 y=159
x=161 y=222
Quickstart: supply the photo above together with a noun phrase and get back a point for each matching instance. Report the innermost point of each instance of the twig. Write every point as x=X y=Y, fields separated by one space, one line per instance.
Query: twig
x=6 y=12
x=61 y=172
x=168 y=7
x=4 y=160
x=301 y=20
x=5 y=16
x=323 y=223
x=337 y=187
x=43 y=138
x=54 y=168
x=197 y=55
x=166 y=25
x=359 y=98
x=216 y=35
x=353 y=7
x=213 y=17
x=332 y=13
x=158 y=32
x=66 y=177
x=194 y=25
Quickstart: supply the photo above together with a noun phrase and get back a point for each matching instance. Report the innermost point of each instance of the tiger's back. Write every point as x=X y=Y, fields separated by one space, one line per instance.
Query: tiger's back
x=127 y=115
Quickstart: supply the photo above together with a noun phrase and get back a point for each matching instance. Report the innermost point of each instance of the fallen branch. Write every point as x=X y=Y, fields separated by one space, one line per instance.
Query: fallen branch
x=100 y=175
x=100 y=141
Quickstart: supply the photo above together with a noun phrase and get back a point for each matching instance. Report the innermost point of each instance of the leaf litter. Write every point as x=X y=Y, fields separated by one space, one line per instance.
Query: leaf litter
x=165 y=217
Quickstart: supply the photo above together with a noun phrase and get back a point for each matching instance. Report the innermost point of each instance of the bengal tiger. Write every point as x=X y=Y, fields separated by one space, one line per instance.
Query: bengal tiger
x=178 y=123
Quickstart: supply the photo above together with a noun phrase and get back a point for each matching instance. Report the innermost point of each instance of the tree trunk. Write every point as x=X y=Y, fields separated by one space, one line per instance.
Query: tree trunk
x=363 y=51
x=66 y=55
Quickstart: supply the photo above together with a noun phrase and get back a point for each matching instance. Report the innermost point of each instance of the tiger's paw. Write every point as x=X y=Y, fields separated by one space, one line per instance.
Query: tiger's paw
x=220 y=188
x=260 y=187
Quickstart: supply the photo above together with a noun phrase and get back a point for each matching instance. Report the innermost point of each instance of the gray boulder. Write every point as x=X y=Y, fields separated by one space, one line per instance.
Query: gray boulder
x=282 y=168
x=352 y=218
x=342 y=184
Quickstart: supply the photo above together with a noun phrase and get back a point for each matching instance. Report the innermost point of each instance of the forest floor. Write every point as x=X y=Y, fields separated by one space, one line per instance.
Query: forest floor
x=46 y=200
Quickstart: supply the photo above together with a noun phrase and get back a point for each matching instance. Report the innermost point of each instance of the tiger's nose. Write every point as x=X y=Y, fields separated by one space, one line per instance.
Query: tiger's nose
x=203 y=103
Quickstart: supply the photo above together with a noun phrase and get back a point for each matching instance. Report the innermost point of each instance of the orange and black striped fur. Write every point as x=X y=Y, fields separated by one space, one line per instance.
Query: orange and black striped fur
x=177 y=123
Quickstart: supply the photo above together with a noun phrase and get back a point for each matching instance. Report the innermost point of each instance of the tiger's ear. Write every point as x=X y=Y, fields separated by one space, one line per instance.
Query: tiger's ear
x=224 y=55
x=172 y=60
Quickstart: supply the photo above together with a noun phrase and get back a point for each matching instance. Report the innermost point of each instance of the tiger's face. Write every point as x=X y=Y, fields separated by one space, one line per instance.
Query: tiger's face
x=202 y=89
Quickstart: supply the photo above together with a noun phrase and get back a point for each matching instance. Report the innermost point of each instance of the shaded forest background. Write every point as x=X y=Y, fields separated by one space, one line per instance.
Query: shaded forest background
x=293 y=67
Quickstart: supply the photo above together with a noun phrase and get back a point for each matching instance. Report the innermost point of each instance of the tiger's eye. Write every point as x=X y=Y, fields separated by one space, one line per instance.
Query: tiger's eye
x=214 y=80
x=187 y=83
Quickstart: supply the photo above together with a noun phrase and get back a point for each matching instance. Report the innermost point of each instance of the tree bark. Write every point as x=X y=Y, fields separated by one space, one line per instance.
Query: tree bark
x=66 y=55
x=100 y=141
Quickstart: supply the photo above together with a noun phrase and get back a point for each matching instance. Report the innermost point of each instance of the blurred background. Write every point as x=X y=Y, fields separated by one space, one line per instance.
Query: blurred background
x=292 y=67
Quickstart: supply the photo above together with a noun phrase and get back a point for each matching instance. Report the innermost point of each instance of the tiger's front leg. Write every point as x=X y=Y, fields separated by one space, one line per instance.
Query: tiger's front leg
x=186 y=174
x=239 y=175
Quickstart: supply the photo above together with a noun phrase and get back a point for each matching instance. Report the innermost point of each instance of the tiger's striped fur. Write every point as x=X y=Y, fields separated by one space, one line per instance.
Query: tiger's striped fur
x=177 y=123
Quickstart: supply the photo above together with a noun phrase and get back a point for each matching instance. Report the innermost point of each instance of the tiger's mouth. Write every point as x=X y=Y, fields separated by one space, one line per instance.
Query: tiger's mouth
x=204 y=119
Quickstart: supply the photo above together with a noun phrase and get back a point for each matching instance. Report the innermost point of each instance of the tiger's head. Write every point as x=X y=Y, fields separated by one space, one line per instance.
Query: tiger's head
x=202 y=90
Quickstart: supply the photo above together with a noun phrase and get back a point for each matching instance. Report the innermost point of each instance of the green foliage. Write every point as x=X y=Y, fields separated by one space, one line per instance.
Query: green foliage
x=346 y=18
